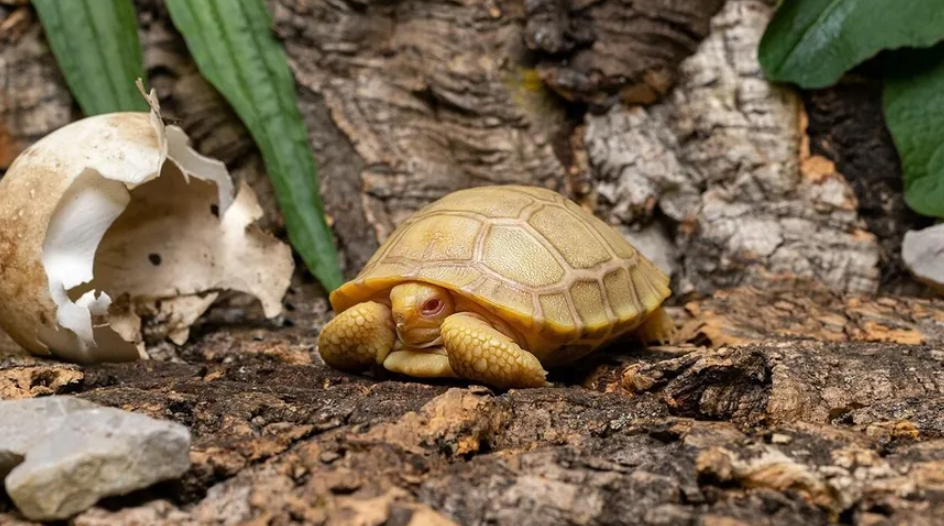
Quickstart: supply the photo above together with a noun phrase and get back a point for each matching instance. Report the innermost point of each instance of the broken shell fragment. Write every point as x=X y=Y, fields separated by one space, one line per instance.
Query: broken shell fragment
x=114 y=218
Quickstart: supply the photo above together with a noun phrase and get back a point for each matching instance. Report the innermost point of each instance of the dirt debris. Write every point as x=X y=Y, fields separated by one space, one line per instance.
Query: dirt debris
x=791 y=429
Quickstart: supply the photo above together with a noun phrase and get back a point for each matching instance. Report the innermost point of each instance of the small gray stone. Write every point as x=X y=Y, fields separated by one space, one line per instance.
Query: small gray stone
x=923 y=254
x=25 y=423
x=92 y=453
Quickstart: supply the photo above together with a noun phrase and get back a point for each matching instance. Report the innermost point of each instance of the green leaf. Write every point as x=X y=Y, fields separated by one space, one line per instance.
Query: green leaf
x=234 y=49
x=914 y=114
x=813 y=42
x=96 y=45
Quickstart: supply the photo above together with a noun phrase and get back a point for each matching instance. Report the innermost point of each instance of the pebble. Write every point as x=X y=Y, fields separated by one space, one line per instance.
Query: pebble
x=25 y=423
x=923 y=254
x=60 y=454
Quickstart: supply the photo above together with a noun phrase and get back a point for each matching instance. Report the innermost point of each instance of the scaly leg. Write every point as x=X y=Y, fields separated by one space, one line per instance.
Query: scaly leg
x=658 y=327
x=477 y=351
x=358 y=337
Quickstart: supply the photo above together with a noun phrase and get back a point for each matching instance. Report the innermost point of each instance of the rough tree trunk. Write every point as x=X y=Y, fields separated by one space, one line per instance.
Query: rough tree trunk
x=407 y=101
x=798 y=396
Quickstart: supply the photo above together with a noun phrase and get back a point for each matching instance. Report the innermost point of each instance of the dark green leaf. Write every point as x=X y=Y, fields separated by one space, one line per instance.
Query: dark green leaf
x=914 y=113
x=234 y=49
x=96 y=45
x=813 y=42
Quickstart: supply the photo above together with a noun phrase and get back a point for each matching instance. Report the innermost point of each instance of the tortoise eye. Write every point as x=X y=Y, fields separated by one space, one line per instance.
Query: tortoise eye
x=431 y=306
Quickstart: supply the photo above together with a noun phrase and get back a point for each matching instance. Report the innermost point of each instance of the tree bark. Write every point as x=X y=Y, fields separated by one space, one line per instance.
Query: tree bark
x=725 y=161
x=810 y=407
x=406 y=102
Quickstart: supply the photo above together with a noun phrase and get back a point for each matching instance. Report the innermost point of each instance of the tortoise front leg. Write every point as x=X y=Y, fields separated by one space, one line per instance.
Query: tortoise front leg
x=478 y=351
x=358 y=337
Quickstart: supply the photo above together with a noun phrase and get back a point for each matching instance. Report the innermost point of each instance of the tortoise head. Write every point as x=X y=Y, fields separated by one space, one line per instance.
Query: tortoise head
x=418 y=310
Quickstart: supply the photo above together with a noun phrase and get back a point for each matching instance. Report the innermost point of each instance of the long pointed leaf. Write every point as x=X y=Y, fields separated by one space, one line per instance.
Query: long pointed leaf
x=234 y=49
x=96 y=45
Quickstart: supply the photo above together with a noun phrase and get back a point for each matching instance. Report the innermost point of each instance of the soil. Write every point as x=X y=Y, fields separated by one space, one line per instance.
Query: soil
x=792 y=406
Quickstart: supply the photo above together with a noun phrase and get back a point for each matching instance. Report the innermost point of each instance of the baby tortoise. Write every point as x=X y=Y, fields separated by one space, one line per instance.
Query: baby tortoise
x=492 y=284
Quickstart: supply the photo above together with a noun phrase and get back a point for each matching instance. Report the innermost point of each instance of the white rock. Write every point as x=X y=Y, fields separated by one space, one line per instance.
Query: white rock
x=24 y=424
x=923 y=254
x=74 y=453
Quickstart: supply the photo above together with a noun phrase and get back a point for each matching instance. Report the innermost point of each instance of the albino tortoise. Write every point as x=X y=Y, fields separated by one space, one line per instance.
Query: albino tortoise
x=492 y=284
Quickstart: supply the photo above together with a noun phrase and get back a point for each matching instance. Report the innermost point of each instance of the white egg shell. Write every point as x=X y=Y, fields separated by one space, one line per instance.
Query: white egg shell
x=115 y=217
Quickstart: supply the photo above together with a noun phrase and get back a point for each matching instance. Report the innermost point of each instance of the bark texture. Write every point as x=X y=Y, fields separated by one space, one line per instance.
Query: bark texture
x=34 y=99
x=846 y=126
x=726 y=162
x=828 y=425
x=605 y=52
x=407 y=101
x=426 y=97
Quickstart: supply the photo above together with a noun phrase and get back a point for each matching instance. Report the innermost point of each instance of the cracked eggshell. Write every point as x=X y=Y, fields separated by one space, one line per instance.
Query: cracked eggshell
x=114 y=218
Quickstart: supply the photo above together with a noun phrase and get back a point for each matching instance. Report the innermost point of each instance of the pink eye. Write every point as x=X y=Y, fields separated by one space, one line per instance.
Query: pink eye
x=431 y=306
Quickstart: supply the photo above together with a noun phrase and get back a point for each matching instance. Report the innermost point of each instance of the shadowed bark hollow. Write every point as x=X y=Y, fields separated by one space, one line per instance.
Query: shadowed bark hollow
x=605 y=52
x=846 y=126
